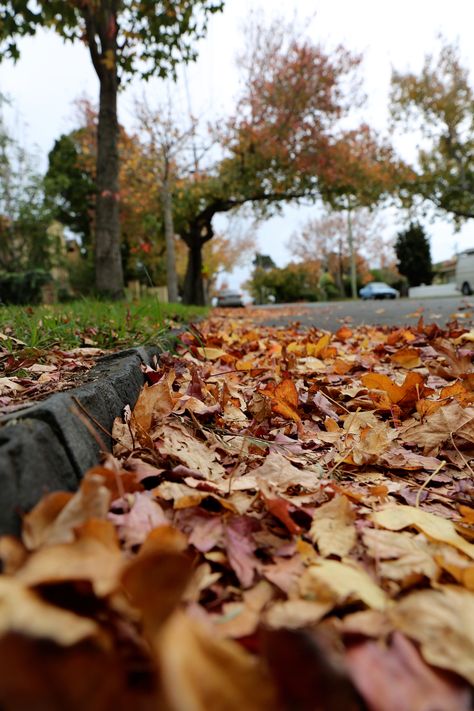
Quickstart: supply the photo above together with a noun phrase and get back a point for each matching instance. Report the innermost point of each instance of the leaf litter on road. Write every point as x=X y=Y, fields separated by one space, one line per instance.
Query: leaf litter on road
x=286 y=521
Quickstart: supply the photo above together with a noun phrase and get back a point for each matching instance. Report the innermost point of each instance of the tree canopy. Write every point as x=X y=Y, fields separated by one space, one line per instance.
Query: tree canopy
x=439 y=102
x=124 y=37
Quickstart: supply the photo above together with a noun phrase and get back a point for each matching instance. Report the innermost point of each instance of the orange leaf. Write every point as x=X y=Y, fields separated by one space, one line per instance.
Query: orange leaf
x=378 y=381
x=343 y=333
x=285 y=400
x=407 y=357
x=280 y=509
x=341 y=367
x=406 y=394
x=286 y=391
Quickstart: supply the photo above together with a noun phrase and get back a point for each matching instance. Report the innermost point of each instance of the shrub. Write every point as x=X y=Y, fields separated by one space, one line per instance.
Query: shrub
x=23 y=287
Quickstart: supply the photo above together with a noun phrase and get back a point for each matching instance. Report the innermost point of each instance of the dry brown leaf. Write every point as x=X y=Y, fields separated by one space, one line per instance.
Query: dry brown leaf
x=211 y=353
x=291 y=614
x=240 y=619
x=341 y=582
x=154 y=402
x=86 y=559
x=402 y=682
x=438 y=427
x=441 y=621
x=407 y=358
x=22 y=611
x=397 y=517
x=179 y=443
x=332 y=528
x=459 y=567
x=400 y=555
x=202 y=672
x=90 y=501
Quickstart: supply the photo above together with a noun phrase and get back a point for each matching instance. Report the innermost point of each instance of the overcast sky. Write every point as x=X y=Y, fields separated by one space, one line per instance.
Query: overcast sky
x=51 y=75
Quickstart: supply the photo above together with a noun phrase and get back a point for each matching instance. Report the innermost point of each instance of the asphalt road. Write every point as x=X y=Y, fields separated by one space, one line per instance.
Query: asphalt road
x=400 y=312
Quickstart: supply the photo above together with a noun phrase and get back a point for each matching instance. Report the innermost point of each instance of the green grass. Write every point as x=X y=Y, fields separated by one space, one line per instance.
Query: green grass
x=89 y=322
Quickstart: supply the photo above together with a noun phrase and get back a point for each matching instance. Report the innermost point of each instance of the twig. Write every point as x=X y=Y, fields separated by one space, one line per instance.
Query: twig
x=91 y=418
x=461 y=455
x=89 y=428
x=427 y=481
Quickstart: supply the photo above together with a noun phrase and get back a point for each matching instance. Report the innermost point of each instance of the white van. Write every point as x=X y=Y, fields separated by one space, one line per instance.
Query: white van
x=465 y=272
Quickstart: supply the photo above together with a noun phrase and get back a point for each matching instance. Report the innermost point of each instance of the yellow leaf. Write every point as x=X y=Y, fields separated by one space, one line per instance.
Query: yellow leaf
x=333 y=527
x=442 y=622
x=211 y=353
x=314 y=349
x=396 y=517
x=201 y=671
x=341 y=582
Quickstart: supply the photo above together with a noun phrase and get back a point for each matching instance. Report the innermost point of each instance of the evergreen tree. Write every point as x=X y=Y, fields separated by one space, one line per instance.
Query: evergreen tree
x=414 y=256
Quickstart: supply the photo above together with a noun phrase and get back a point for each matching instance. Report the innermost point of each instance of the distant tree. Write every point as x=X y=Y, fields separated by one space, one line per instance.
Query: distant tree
x=278 y=142
x=263 y=261
x=70 y=188
x=439 y=102
x=295 y=282
x=125 y=38
x=414 y=256
x=363 y=172
x=168 y=152
x=324 y=238
x=24 y=217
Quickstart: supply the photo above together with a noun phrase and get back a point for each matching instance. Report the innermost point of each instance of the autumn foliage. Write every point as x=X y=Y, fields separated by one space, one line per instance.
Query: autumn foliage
x=284 y=510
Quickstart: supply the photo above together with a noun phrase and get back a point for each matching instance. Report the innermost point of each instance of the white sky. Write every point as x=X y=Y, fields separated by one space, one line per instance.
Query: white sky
x=51 y=75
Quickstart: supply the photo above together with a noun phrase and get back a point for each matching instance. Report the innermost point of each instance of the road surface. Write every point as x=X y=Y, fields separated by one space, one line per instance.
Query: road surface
x=400 y=312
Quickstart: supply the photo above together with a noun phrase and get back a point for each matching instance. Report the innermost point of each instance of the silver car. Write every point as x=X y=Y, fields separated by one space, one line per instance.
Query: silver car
x=378 y=290
x=229 y=298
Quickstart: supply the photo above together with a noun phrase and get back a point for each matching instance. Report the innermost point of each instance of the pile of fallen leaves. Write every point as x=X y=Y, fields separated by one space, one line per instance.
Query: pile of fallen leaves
x=31 y=374
x=286 y=522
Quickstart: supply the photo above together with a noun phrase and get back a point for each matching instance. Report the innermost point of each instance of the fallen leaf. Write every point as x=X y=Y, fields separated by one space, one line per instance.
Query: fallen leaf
x=23 y=612
x=440 y=529
x=403 y=682
x=331 y=580
x=441 y=622
x=332 y=528
x=200 y=671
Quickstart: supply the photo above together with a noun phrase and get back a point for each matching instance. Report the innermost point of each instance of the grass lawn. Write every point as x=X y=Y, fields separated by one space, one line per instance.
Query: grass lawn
x=89 y=322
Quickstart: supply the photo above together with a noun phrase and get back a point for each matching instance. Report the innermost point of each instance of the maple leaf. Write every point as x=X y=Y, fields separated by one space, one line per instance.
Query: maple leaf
x=284 y=398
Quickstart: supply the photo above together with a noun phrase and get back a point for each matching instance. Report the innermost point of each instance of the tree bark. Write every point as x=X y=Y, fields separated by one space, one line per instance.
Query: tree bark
x=171 y=276
x=108 y=260
x=350 y=239
x=193 y=281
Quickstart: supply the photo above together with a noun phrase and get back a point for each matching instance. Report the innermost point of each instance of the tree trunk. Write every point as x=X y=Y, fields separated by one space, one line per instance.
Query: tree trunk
x=350 y=239
x=108 y=260
x=193 y=281
x=171 y=276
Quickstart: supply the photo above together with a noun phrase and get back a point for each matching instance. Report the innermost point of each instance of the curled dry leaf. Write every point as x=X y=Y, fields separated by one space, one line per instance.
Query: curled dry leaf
x=54 y=521
x=23 y=612
x=418 y=687
x=201 y=671
x=340 y=583
x=333 y=527
x=436 y=528
x=441 y=622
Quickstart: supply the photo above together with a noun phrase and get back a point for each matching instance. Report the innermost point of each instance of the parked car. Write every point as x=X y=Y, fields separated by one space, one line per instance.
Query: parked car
x=465 y=272
x=378 y=290
x=229 y=298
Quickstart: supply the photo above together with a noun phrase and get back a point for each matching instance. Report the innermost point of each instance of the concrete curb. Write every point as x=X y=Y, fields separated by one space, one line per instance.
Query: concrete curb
x=47 y=446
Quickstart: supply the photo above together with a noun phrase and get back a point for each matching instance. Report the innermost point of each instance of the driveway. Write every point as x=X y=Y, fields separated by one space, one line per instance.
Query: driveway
x=331 y=316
